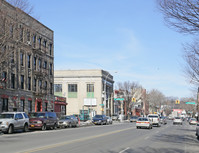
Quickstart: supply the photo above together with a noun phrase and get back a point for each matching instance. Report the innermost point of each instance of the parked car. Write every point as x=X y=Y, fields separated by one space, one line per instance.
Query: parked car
x=133 y=119
x=100 y=119
x=68 y=121
x=193 y=121
x=163 y=120
x=43 y=120
x=155 y=119
x=143 y=122
x=115 y=117
x=177 y=120
x=109 y=120
x=11 y=121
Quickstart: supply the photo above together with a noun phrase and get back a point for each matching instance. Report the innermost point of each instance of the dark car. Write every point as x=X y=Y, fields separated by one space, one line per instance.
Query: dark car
x=163 y=120
x=100 y=119
x=43 y=120
x=68 y=121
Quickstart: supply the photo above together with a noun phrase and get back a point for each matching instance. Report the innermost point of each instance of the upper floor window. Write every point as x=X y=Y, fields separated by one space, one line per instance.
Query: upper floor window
x=12 y=80
x=35 y=84
x=51 y=69
x=39 y=64
x=39 y=43
x=28 y=36
x=21 y=59
x=22 y=81
x=50 y=49
x=29 y=83
x=21 y=34
x=90 y=90
x=45 y=85
x=34 y=39
x=51 y=88
x=44 y=43
x=72 y=87
x=11 y=30
x=35 y=63
x=45 y=64
x=29 y=61
x=4 y=76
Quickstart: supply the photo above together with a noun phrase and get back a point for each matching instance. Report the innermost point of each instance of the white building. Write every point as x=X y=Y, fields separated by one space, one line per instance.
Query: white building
x=84 y=90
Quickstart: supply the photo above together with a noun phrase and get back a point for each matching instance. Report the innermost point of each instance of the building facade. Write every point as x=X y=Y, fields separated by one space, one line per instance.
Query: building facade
x=88 y=92
x=26 y=62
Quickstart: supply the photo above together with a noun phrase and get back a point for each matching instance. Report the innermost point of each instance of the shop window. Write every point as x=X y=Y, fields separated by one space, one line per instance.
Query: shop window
x=29 y=106
x=4 y=105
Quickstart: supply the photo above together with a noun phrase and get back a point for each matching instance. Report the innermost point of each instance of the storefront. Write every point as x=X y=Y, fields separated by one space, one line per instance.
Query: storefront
x=60 y=106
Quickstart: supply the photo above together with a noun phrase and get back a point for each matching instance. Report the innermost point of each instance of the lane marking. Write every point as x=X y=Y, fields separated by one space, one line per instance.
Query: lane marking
x=124 y=150
x=74 y=141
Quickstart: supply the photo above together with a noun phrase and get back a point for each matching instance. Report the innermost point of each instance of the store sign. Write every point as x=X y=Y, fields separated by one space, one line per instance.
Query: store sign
x=61 y=99
x=90 y=102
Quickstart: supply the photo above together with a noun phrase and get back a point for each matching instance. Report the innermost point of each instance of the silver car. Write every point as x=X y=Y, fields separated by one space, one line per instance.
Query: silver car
x=177 y=120
x=68 y=121
x=11 y=121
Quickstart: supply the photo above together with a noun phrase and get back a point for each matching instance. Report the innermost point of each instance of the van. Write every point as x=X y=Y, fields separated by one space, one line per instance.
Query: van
x=43 y=120
x=155 y=119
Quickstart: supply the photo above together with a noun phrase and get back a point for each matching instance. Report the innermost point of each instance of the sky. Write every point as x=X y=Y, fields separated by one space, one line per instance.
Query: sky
x=127 y=38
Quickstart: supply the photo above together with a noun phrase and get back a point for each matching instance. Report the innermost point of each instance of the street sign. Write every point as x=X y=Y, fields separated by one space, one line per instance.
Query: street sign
x=118 y=98
x=101 y=104
x=193 y=103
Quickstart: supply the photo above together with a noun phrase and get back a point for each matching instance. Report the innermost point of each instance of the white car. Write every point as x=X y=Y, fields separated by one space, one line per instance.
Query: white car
x=109 y=120
x=193 y=121
x=11 y=121
x=155 y=119
x=177 y=120
x=143 y=122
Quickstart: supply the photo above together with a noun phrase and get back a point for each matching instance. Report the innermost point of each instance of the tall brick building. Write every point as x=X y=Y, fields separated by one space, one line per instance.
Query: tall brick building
x=26 y=62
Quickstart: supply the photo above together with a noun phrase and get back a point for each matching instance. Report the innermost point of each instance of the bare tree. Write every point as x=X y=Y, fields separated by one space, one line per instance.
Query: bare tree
x=183 y=15
x=155 y=99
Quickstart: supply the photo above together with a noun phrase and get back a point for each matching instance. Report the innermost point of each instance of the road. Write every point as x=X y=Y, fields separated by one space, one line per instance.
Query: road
x=116 y=138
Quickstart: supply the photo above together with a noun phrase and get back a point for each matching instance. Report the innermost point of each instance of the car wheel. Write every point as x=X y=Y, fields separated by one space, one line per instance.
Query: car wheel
x=10 y=129
x=43 y=128
x=55 y=126
x=25 y=129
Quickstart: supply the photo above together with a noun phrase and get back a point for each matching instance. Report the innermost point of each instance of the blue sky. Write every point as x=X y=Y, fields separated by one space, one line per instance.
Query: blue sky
x=127 y=36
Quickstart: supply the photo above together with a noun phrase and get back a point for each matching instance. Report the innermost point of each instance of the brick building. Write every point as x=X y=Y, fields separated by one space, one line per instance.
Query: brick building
x=26 y=62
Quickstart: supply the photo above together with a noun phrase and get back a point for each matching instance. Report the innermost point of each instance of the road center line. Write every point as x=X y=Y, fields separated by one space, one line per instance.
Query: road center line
x=74 y=141
x=124 y=150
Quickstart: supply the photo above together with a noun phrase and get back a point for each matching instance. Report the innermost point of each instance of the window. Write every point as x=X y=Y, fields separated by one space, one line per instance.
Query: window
x=21 y=59
x=50 y=49
x=22 y=103
x=11 y=30
x=35 y=84
x=39 y=64
x=19 y=116
x=58 y=89
x=29 y=106
x=45 y=64
x=28 y=36
x=44 y=43
x=72 y=90
x=45 y=85
x=51 y=69
x=12 y=80
x=22 y=81
x=39 y=43
x=40 y=84
x=51 y=88
x=90 y=90
x=4 y=76
x=29 y=83
x=35 y=63
x=34 y=38
x=29 y=60
x=5 y=105
x=21 y=34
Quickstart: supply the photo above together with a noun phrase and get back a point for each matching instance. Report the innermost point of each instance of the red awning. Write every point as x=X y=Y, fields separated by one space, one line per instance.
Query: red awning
x=60 y=103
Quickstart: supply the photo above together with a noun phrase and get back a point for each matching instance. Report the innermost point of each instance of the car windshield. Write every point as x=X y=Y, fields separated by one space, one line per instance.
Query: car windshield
x=134 y=117
x=65 y=117
x=177 y=118
x=8 y=116
x=153 y=116
x=142 y=119
x=98 y=116
x=37 y=115
x=193 y=119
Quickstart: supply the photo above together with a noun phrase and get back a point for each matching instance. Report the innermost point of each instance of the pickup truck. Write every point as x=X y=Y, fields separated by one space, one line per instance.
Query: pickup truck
x=155 y=119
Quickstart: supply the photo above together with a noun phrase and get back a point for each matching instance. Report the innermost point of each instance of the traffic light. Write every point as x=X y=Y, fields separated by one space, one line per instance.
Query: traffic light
x=177 y=101
x=133 y=100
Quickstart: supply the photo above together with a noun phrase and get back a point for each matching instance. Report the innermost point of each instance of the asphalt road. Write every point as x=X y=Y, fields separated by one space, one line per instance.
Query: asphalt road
x=116 y=138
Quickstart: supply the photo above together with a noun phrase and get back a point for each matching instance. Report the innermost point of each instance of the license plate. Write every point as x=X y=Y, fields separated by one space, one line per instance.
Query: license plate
x=32 y=126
